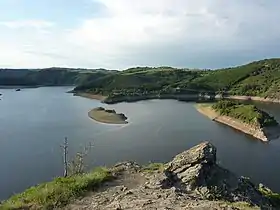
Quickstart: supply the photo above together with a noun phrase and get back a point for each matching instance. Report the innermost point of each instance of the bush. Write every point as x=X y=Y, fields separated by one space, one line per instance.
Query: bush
x=154 y=167
x=100 y=109
x=111 y=111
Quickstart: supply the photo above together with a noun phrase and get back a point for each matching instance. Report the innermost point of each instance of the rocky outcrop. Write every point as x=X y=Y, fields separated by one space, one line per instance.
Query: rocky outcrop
x=192 y=180
x=196 y=170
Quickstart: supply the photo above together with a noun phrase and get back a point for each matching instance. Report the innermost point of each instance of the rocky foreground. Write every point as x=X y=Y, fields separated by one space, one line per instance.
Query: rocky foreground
x=192 y=180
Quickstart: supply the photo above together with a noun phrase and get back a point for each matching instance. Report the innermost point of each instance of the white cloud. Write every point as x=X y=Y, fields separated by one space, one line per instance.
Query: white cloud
x=136 y=26
x=159 y=32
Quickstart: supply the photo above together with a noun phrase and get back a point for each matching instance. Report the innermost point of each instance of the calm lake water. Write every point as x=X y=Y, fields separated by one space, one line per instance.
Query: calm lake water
x=34 y=122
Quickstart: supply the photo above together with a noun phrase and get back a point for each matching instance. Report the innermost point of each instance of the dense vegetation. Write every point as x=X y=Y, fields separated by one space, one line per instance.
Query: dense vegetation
x=49 y=76
x=263 y=81
x=142 y=81
x=58 y=192
x=245 y=112
x=261 y=78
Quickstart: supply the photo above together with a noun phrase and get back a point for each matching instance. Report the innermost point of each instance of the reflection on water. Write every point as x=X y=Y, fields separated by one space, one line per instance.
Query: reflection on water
x=34 y=122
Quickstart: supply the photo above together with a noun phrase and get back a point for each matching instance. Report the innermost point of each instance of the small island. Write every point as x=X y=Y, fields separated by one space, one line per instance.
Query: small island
x=243 y=117
x=108 y=116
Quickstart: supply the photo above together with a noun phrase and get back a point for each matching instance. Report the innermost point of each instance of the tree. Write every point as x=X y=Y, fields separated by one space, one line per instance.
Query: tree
x=77 y=165
x=65 y=157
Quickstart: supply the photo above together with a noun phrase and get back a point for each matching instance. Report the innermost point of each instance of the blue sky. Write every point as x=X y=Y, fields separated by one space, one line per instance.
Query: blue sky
x=118 y=34
x=66 y=13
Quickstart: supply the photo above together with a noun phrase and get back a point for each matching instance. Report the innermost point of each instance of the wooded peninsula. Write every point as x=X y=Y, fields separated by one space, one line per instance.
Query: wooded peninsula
x=246 y=118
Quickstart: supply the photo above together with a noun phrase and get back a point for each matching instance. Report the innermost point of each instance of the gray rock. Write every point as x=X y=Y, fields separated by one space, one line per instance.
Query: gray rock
x=196 y=170
x=192 y=180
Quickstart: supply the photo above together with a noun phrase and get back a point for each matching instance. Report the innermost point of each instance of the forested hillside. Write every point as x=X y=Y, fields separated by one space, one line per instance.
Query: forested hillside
x=49 y=76
x=260 y=78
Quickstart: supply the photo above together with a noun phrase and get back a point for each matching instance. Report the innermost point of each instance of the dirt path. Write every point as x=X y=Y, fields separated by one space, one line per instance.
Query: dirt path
x=134 y=193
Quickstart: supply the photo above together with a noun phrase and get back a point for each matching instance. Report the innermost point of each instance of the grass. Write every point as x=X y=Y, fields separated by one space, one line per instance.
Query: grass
x=273 y=197
x=245 y=112
x=152 y=167
x=59 y=192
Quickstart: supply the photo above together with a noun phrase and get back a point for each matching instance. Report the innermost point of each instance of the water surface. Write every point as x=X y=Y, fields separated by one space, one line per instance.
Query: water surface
x=34 y=122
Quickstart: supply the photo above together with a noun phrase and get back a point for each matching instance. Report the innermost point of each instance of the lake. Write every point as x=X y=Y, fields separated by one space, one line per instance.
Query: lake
x=34 y=123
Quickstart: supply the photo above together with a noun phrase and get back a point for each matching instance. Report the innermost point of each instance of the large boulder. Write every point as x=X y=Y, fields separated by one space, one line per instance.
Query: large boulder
x=196 y=170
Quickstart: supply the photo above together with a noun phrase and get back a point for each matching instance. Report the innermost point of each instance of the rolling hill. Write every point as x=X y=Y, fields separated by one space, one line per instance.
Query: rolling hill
x=49 y=76
x=259 y=78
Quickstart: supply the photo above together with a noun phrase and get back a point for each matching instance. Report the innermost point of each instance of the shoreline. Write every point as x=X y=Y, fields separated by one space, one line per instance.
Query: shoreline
x=264 y=134
x=6 y=87
x=251 y=98
x=128 y=99
x=179 y=97
x=107 y=116
x=90 y=96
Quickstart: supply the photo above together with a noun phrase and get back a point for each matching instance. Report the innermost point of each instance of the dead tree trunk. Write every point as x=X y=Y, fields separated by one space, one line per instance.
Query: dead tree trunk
x=65 y=154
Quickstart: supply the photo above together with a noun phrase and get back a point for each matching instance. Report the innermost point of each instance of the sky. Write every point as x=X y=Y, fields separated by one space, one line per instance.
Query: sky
x=117 y=34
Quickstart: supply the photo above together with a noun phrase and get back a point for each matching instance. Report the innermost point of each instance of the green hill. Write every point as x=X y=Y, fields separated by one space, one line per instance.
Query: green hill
x=264 y=81
x=142 y=80
x=260 y=78
x=247 y=113
x=50 y=76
